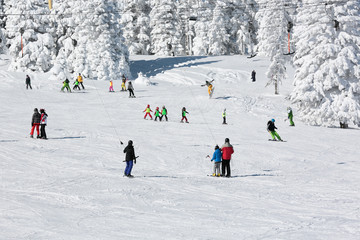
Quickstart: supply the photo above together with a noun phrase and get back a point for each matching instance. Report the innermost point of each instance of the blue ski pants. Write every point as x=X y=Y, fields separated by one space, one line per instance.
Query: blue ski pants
x=129 y=166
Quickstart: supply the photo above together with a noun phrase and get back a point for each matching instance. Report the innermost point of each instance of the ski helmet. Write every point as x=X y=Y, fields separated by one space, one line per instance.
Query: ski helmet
x=273 y=120
x=130 y=142
x=157 y=108
x=216 y=147
x=227 y=140
x=148 y=105
x=35 y=109
x=42 y=110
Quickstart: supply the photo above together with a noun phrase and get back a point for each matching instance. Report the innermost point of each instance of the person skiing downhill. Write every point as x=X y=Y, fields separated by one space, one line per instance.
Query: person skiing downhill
x=217 y=161
x=183 y=113
x=111 y=89
x=130 y=158
x=148 y=110
x=227 y=150
x=131 y=90
x=28 y=82
x=271 y=129
x=210 y=86
x=66 y=85
x=157 y=114
x=80 y=80
x=164 y=113
x=43 y=122
x=290 y=116
x=35 y=123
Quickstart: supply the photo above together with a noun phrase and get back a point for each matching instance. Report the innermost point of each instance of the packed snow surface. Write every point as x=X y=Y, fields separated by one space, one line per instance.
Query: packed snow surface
x=71 y=186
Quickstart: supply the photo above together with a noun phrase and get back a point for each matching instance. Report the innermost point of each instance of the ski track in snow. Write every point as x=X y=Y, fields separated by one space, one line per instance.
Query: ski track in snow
x=72 y=186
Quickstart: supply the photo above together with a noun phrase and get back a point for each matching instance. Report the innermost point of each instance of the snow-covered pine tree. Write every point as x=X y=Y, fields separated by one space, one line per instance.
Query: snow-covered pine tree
x=327 y=60
x=201 y=27
x=219 y=38
x=2 y=27
x=166 y=30
x=106 y=43
x=135 y=20
x=241 y=26
x=272 y=38
x=29 y=33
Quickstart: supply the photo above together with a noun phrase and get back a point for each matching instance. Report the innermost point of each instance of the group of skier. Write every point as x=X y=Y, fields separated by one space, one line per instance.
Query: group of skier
x=159 y=114
x=222 y=157
x=130 y=87
x=39 y=119
x=78 y=82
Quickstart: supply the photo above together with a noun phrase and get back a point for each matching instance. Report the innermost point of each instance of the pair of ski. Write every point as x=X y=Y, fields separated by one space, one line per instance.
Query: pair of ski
x=274 y=140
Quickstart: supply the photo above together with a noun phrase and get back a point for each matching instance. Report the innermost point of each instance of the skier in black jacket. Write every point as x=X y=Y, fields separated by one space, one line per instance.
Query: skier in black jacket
x=271 y=129
x=129 y=158
x=35 y=123
x=28 y=82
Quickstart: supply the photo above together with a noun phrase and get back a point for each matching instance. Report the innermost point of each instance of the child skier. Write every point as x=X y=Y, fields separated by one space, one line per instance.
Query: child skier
x=290 y=116
x=35 y=123
x=66 y=85
x=224 y=116
x=164 y=113
x=271 y=129
x=157 y=114
x=184 y=112
x=43 y=122
x=76 y=85
x=129 y=158
x=28 y=82
x=123 y=87
x=131 y=90
x=217 y=157
x=147 y=110
x=111 y=89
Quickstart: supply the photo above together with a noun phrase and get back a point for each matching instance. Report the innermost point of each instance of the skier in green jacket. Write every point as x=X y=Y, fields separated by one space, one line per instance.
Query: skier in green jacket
x=66 y=85
x=164 y=113
x=157 y=114
x=290 y=116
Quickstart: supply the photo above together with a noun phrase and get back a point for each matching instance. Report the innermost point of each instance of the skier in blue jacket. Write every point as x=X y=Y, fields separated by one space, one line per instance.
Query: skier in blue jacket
x=217 y=157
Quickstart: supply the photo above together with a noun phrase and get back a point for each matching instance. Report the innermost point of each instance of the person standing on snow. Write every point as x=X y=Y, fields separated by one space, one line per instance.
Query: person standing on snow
x=148 y=110
x=111 y=89
x=157 y=114
x=164 y=113
x=129 y=158
x=290 y=116
x=224 y=116
x=80 y=80
x=66 y=85
x=131 y=90
x=217 y=161
x=28 y=82
x=253 y=76
x=43 y=122
x=227 y=150
x=35 y=123
x=123 y=88
x=76 y=85
x=271 y=129
x=183 y=113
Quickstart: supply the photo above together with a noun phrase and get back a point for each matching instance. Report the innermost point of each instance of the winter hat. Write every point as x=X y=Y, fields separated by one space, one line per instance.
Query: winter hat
x=157 y=108
x=273 y=120
x=148 y=105
x=130 y=142
x=227 y=140
x=35 y=110
x=216 y=147
x=42 y=110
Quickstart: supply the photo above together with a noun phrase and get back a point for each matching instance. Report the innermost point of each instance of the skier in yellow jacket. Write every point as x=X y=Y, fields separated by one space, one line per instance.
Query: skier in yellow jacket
x=80 y=80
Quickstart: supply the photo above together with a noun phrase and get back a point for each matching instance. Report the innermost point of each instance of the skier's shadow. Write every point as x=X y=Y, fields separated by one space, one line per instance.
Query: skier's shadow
x=225 y=98
x=9 y=140
x=62 y=138
x=158 y=176
x=253 y=175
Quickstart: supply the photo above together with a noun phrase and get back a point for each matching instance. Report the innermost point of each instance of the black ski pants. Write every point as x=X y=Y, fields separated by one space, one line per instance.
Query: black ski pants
x=163 y=116
x=80 y=83
x=225 y=165
x=131 y=92
x=28 y=85
x=42 y=131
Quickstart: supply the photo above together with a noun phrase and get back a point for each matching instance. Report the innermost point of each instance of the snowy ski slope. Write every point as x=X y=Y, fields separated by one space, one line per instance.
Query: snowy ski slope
x=72 y=186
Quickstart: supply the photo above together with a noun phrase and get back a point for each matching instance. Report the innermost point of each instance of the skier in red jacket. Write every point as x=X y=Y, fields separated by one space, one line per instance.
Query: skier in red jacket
x=227 y=149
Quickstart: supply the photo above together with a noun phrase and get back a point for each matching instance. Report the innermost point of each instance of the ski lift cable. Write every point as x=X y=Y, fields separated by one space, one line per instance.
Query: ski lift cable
x=103 y=105
x=201 y=112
